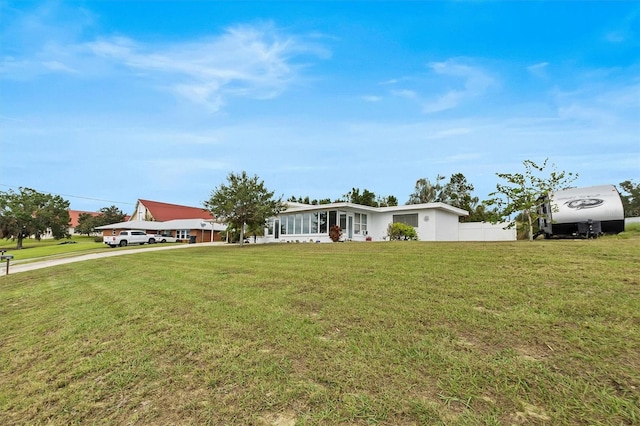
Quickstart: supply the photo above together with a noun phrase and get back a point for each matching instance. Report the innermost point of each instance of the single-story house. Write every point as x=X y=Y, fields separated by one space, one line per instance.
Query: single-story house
x=304 y=222
x=182 y=222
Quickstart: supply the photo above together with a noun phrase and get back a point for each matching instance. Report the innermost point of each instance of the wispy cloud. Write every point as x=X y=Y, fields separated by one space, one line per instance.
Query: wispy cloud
x=371 y=98
x=474 y=81
x=539 y=69
x=254 y=61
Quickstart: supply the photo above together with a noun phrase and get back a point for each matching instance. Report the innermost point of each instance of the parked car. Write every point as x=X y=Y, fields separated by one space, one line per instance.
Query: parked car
x=128 y=237
x=164 y=238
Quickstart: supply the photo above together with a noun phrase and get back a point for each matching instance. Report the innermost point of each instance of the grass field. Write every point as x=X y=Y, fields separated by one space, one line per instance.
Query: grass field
x=546 y=332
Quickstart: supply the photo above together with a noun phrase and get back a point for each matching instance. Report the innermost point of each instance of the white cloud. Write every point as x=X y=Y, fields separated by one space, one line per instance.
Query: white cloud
x=255 y=62
x=539 y=69
x=474 y=81
x=409 y=94
x=371 y=98
x=258 y=62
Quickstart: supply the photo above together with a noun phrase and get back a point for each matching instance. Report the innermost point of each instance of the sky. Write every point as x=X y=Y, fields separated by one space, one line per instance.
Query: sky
x=108 y=102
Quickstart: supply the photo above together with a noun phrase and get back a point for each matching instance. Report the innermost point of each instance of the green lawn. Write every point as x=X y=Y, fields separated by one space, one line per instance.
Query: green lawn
x=33 y=249
x=546 y=332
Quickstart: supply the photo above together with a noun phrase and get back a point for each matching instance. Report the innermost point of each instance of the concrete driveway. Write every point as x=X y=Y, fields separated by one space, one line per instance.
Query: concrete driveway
x=29 y=265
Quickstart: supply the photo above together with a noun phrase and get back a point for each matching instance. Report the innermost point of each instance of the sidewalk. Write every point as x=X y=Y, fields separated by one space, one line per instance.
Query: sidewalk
x=15 y=268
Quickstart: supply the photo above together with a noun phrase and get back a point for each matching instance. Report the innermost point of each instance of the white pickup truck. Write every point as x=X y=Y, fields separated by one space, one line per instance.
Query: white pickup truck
x=128 y=237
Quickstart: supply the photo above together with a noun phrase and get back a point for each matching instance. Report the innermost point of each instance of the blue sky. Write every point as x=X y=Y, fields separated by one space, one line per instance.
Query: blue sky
x=106 y=102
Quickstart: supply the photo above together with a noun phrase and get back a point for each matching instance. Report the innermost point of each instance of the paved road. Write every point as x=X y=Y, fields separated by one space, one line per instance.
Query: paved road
x=18 y=267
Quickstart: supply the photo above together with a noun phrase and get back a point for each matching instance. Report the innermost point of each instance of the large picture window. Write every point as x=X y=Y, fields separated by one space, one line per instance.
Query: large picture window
x=409 y=219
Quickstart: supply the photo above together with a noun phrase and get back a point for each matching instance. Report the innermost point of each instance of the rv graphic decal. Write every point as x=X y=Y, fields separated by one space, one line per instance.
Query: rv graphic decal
x=584 y=203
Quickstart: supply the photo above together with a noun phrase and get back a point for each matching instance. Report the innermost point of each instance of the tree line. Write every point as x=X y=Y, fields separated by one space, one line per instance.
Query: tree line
x=244 y=202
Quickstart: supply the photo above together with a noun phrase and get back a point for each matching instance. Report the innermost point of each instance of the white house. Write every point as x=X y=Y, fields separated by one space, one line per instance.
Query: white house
x=304 y=222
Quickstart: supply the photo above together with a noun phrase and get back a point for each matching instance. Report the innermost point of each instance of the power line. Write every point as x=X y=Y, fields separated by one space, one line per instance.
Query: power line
x=74 y=196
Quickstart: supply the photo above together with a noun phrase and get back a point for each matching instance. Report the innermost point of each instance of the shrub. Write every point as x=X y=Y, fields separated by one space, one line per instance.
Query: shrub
x=97 y=239
x=401 y=231
x=335 y=233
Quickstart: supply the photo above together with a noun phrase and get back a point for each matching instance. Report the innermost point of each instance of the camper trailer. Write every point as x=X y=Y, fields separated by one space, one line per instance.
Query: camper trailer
x=587 y=212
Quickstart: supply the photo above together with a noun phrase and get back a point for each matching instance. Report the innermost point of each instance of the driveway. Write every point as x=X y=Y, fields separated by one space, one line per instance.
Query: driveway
x=15 y=268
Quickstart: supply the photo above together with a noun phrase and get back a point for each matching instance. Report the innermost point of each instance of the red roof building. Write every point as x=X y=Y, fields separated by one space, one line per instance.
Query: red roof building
x=163 y=212
x=74 y=216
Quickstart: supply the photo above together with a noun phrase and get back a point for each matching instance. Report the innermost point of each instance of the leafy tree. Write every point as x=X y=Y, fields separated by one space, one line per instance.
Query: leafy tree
x=29 y=212
x=387 y=201
x=306 y=200
x=425 y=191
x=631 y=202
x=366 y=198
x=109 y=215
x=86 y=223
x=523 y=190
x=457 y=193
x=401 y=231
x=243 y=201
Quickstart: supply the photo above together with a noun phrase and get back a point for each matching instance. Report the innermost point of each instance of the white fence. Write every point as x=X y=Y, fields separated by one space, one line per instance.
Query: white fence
x=484 y=231
x=629 y=220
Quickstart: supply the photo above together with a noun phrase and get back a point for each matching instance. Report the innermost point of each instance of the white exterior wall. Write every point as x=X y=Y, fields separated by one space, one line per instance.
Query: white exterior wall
x=446 y=227
x=436 y=222
x=484 y=231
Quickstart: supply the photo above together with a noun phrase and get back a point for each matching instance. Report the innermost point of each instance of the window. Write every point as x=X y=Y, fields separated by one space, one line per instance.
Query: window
x=290 y=220
x=298 y=227
x=360 y=223
x=314 y=223
x=409 y=219
x=343 y=220
x=333 y=218
x=305 y=222
x=183 y=234
x=270 y=223
x=323 y=222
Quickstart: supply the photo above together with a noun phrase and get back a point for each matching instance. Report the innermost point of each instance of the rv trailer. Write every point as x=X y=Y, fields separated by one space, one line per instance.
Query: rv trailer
x=588 y=212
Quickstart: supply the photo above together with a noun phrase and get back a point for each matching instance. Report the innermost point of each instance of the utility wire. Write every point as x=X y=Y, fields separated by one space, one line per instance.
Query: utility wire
x=74 y=196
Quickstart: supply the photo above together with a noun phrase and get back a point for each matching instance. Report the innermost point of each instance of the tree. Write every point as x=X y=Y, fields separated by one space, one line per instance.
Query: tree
x=243 y=201
x=29 y=212
x=630 y=202
x=86 y=223
x=109 y=215
x=367 y=198
x=425 y=191
x=388 y=201
x=522 y=192
x=458 y=193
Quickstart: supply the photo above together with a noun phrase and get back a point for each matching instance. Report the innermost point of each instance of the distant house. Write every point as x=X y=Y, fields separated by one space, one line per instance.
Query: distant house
x=183 y=222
